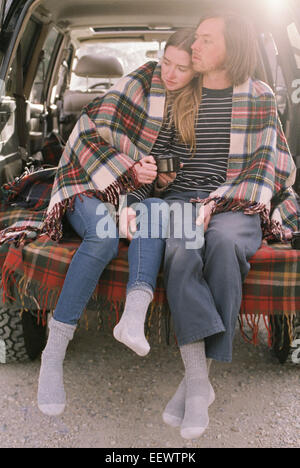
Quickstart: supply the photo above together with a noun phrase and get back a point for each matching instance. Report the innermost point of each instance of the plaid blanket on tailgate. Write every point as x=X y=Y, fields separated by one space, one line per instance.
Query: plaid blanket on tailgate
x=33 y=275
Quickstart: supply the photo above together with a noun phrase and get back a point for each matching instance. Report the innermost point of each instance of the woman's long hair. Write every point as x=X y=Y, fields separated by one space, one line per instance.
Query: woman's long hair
x=185 y=102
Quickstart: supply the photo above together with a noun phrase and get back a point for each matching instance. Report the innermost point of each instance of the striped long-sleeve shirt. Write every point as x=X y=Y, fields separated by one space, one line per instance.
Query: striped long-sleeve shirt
x=207 y=168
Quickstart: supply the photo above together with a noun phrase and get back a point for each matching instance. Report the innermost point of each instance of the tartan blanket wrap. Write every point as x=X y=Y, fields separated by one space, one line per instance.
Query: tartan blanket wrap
x=117 y=130
x=111 y=135
x=33 y=276
x=261 y=170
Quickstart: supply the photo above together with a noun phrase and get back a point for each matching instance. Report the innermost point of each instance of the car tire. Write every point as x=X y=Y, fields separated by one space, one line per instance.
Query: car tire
x=21 y=337
x=281 y=343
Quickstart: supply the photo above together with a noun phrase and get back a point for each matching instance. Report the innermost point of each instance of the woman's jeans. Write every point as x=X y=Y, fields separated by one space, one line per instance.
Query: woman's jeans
x=204 y=284
x=100 y=241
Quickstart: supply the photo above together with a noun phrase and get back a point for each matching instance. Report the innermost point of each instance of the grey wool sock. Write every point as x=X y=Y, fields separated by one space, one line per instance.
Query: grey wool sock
x=51 y=393
x=174 y=410
x=198 y=390
x=131 y=328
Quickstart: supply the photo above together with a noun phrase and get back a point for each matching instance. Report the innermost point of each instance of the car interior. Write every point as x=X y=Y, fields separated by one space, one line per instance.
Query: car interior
x=57 y=56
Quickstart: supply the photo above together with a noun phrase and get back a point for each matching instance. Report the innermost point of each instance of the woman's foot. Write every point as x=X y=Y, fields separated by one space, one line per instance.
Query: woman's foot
x=51 y=393
x=131 y=328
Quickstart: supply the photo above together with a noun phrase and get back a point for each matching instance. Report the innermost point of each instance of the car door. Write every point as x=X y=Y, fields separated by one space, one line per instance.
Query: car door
x=12 y=103
x=29 y=47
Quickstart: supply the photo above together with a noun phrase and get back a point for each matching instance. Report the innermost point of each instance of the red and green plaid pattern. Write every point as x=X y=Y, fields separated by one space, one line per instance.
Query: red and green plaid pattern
x=272 y=286
x=116 y=130
x=36 y=273
x=111 y=135
x=19 y=219
x=261 y=170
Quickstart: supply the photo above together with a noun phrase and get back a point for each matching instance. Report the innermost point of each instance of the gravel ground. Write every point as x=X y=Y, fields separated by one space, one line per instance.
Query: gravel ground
x=115 y=399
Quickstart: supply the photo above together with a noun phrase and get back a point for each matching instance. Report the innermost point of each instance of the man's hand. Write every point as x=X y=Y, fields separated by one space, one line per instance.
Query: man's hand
x=206 y=216
x=146 y=170
x=127 y=223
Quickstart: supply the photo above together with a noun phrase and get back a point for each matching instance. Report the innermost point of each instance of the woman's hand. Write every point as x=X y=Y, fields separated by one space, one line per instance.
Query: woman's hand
x=127 y=223
x=146 y=170
x=166 y=178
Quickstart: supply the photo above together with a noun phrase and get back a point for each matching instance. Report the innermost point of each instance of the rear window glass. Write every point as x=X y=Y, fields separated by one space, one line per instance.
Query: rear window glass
x=130 y=54
x=294 y=37
x=6 y=6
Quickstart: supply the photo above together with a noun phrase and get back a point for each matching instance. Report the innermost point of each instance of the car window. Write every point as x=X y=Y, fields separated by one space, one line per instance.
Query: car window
x=131 y=55
x=4 y=7
x=27 y=44
x=44 y=62
x=8 y=4
x=275 y=73
x=294 y=38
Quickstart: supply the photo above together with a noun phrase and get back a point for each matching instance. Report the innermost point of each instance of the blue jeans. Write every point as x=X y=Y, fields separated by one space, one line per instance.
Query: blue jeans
x=94 y=223
x=204 y=285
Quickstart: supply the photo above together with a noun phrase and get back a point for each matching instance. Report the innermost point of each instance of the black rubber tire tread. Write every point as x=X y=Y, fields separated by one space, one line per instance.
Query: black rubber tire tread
x=11 y=333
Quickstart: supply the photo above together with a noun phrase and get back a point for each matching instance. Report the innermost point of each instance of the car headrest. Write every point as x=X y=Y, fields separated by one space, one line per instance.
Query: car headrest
x=98 y=66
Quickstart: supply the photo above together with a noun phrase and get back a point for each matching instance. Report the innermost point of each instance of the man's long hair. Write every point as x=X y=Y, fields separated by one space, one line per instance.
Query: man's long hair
x=240 y=64
x=241 y=45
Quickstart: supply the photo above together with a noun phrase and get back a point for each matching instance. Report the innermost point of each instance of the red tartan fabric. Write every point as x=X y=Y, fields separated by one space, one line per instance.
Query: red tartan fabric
x=37 y=270
x=272 y=287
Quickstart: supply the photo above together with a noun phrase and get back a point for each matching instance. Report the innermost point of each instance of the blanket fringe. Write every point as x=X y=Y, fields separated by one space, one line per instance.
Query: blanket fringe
x=271 y=230
x=252 y=321
x=18 y=235
x=52 y=224
x=158 y=320
x=19 y=289
x=32 y=296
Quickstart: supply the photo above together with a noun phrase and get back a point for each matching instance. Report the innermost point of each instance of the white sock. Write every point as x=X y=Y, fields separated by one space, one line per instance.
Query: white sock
x=131 y=328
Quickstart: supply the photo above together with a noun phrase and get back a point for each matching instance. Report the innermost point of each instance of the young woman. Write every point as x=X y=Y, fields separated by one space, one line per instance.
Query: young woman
x=99 y=163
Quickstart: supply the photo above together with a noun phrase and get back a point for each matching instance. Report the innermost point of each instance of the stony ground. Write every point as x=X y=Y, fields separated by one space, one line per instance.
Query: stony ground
x=115 y=399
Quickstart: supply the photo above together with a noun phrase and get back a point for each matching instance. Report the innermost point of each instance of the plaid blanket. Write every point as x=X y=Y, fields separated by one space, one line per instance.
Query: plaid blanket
x=23 y=209
x=272 y=287
x=261 y=170
x=23 y=205
x=111 y=135
x=98 y=160
x=33 y=276
x=118 y=129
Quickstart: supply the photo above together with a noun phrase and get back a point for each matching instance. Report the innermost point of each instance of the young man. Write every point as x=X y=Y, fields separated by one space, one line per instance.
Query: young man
x=241 y=161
